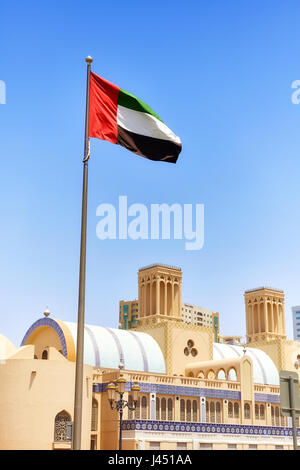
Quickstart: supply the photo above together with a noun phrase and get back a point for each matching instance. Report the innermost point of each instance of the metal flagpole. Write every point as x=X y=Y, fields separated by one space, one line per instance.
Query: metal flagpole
x=82 y=269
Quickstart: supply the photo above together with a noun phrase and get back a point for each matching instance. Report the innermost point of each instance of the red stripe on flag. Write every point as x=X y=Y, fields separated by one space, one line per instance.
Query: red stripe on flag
x=103 y=109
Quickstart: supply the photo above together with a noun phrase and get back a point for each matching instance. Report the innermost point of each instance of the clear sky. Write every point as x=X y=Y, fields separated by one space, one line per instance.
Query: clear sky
x=219 y=73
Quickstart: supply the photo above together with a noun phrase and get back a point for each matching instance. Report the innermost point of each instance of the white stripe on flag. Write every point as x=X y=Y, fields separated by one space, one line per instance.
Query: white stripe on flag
x=144 y=124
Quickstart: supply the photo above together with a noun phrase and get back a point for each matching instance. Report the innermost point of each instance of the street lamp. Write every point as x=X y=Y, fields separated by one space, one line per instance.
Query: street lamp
x=120 y=404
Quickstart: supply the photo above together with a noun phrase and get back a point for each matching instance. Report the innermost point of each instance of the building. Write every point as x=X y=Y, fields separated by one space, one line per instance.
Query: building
x=296 y=323
x=195 y=393
x=190 y=314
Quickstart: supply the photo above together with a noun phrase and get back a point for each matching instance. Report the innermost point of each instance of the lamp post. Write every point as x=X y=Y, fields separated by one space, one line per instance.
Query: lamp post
x=120 y=404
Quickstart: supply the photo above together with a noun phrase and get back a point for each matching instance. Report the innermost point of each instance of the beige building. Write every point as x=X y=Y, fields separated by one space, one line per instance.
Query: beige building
x=158 y=292
x=195 y=393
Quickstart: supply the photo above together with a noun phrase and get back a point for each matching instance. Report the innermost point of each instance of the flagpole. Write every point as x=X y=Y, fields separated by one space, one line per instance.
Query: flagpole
x=82 y=270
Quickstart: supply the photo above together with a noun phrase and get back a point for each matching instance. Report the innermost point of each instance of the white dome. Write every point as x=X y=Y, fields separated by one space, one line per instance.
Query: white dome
x=108 y=347
x=264 y=370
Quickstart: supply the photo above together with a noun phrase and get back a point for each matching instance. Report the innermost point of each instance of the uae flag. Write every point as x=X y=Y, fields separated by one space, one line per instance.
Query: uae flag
x=121 y=118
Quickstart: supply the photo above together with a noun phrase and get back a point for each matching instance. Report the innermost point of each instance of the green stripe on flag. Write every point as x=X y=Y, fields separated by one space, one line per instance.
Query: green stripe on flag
x=130 y=101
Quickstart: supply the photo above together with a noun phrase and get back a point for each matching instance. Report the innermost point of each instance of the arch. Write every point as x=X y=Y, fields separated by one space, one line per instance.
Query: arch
x=201 y=374
x=60 y=426
x=232 y=375
x=210 y=375
x=191 y=374
x=262 y=412
x=221 y=374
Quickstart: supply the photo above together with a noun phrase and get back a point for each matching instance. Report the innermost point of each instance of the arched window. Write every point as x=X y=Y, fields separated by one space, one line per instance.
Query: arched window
x=221 y=375
x=195 y=410
x=256 y=411
x=276 y=416
x=130 y=403
x=45 y=354
x=94 y=415
x=157 y=408
x=247 y=411
x=207 y=411
x=273 y=416
x=144 y=407
x=188 y=411
x=262 y=412
x=137 y=412
x=230 y=410
x=212 y=412
x=182 y=410
x=236 y=410
x=218 y=412
x=170 y=409
x=60 y=426
x=163 y=409
x=232 y=375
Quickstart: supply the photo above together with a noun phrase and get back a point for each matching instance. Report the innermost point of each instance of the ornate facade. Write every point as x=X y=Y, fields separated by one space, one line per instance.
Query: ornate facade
x=195 y=392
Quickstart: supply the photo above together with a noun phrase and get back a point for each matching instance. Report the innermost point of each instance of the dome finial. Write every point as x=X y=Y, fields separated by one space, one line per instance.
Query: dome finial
x=47 y=312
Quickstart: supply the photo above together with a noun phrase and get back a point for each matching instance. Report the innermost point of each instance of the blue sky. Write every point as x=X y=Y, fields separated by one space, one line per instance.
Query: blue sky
x=219 y=74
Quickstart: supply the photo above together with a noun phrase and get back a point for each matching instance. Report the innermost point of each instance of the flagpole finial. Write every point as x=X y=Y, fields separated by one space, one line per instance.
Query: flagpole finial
x=89 y=59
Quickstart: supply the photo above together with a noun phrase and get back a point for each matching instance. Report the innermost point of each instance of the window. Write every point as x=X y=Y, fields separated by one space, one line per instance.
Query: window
x=163 y=409
x=278 y=447
x=157 y=408
x=247 y=411
x=236 y=410
x=262 y=412
x=170 y=409
x=154 y=445
x=60 y=426
x=218 y=412
x=230 y=410
x=206 y=446
x=144 y=408
x=94 y=443
x=94 y=415
x=45 y=354
x=181 y=446
x=188 y=411
x=182 y=410
x=231 y=447
x=195 y=410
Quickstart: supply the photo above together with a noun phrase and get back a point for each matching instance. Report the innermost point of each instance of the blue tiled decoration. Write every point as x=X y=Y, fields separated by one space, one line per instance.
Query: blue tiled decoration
x=212 y=428
x=192 y=392
x=53 y=324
